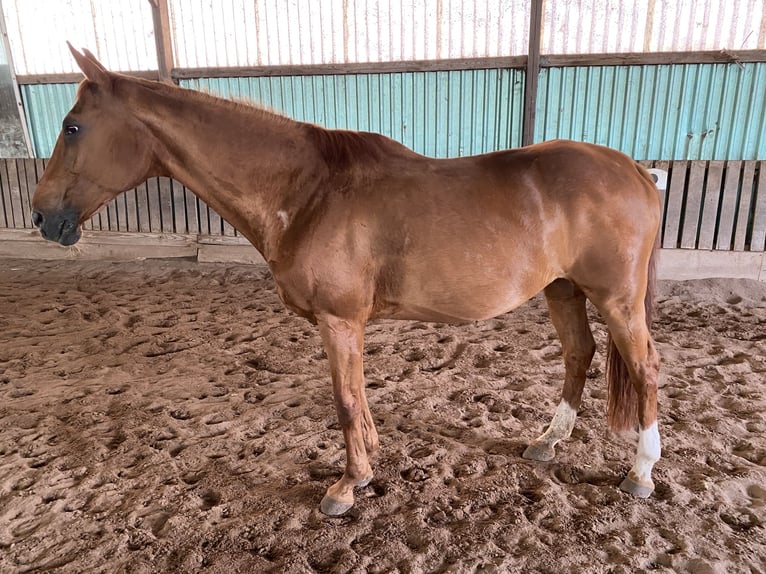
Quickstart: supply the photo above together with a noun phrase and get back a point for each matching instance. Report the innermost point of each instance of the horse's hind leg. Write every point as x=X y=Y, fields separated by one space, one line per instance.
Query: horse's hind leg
x=637 y=365
x=566 y=305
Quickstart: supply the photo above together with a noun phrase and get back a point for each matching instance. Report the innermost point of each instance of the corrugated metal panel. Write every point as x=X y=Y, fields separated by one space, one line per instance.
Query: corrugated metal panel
x=441 y=114
x=608 y=26
x=120 y=34
x=45 y=106
x=711 y=111
x=284 y=32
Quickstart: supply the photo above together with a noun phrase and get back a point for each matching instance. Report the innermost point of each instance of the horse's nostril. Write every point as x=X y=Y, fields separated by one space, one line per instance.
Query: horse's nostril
x=37 y=218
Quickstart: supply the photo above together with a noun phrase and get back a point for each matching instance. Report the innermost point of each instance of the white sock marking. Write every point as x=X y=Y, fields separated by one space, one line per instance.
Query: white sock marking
x=648 y=452
x=561 y=425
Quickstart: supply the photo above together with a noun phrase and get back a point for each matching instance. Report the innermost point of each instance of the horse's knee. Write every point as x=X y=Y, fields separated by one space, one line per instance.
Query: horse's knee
x=348 y=410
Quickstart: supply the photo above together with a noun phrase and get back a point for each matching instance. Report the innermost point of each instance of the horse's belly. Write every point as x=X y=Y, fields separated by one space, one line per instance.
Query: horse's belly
x=464 y=296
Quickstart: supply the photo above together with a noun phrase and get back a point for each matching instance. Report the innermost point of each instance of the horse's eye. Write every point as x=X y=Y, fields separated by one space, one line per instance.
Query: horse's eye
x=70 y=129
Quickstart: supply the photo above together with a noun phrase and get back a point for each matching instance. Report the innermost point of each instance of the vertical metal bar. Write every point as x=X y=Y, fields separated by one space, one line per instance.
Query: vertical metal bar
x=161 y=20
x=533 y=71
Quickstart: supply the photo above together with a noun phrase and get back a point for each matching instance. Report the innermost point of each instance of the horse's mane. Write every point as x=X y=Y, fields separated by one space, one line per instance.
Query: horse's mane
x=343 y=148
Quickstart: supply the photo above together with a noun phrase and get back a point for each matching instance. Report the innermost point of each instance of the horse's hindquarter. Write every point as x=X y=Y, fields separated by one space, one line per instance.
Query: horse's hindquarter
x=469 y=238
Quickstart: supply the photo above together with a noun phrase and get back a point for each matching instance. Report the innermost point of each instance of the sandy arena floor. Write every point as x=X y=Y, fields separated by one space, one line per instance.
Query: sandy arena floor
x=165 y=416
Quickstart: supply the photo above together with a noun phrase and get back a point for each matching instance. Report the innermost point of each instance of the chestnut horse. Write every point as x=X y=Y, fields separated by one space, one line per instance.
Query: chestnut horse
x=355 y=226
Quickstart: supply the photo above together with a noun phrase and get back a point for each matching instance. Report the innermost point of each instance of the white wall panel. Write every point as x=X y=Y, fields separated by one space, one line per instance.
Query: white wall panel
x=609 y=26
x=300 y=32
x=120 y=33
x=228 y=33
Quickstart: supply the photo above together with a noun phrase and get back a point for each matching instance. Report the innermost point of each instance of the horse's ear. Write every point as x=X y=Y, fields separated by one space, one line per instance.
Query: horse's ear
x=91 y=67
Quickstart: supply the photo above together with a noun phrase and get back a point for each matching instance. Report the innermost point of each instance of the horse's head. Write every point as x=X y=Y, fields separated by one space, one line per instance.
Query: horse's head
x=102 y=150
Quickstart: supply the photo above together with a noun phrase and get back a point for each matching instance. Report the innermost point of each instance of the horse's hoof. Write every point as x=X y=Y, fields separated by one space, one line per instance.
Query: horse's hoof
x=332 y=507
x=364 y=482
x=539 y=452
x=636 y=488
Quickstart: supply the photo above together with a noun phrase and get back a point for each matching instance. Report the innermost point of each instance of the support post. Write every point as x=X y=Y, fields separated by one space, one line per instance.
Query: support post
x=161 y=19
x=533 y=71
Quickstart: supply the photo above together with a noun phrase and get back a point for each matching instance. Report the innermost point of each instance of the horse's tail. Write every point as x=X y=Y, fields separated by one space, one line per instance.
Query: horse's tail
x=622 y=402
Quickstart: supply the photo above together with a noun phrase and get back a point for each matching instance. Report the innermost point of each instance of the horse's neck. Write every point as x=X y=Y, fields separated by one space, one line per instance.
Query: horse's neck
x=245 y=163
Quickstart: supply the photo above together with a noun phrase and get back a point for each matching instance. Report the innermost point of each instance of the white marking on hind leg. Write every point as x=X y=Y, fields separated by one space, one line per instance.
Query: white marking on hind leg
x=648 y=453
x=561 y=425
x=284 y=218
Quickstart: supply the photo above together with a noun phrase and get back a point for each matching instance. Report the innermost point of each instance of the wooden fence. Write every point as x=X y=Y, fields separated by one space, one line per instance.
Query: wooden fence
x=708 y=206
x=160 y=205
x=718 y=205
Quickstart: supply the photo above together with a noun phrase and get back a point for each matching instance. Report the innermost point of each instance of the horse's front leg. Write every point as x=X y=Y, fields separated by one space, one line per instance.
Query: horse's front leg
x=343 y=341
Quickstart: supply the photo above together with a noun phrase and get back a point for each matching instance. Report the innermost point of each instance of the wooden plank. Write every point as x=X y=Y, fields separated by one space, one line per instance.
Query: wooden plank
x=131 y=207
x=26 y=204
x=39 y=168
x=122 y=211
x=675 y=195
x=166 y=204
x=192 y=216
x=743 y=210
x=204 y=217
x=492 y=63
x=533 y=73
x=710 y=205
x=228 y=228
x=15 y=195
x=153 y=208
x=246 y=254
x=100 y=245
x=758 y=241
x=654 y=58
x=693 y=204
x=161 y=20
x=142 y=208
x=87 y=225
x=216 y=228
x=111 y=214
x=33 y=176
x=664 y=166
x=179 y=206
x=76 y=77
x=7 y=220
x=505 y=62
x=221 y=240
x=728 y=205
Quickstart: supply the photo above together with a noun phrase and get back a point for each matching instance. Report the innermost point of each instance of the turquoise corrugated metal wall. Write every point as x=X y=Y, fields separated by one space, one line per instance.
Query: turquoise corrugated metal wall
x=45 y=106
x=441 y=114
x=700 y=111
x=694 y=111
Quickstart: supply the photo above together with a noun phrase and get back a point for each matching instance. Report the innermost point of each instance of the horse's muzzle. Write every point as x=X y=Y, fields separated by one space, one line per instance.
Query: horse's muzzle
x=62 y=226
